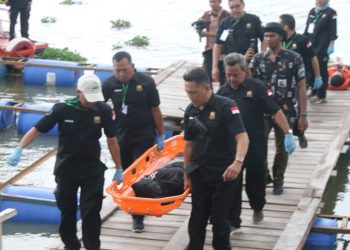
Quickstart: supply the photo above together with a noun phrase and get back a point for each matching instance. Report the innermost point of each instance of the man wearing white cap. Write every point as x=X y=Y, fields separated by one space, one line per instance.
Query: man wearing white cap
x=78 y=164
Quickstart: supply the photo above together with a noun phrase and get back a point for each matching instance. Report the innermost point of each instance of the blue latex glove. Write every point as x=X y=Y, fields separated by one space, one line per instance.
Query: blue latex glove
x=14 y=158
x=318 y=82
x=118 y=175
x=160 y=142
x=330 y=49
x=289 y=143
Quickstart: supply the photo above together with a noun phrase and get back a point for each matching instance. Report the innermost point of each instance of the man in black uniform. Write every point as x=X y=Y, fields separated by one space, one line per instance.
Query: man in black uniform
x=254 y=100
x=215 y=147
x=321 y=29
x=235 y=34
x=23 y=8
x=303 y=46
x=284 y=73
x=78 y=164
x=137 y=113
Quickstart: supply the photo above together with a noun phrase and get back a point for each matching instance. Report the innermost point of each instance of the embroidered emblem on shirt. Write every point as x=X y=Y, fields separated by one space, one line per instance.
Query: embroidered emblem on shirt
x=97 y=119
x=324 y=15
x=139 y=88
x=69 y=121
x=249 y=93
x=212 y=115
x=249 y=25
x=295 y=46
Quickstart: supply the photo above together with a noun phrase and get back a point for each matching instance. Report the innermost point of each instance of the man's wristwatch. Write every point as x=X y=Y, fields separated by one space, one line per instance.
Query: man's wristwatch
x=289 y=131
x=303 y=114
x=239 y=159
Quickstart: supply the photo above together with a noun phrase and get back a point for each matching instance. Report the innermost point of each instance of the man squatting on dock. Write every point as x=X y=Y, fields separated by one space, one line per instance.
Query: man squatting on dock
x=80 y=121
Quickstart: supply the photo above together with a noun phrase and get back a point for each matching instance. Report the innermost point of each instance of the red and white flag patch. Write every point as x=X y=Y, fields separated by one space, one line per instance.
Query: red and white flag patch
x=334 y=16
x=235 y=110
x=269 y=92
x=308 y=44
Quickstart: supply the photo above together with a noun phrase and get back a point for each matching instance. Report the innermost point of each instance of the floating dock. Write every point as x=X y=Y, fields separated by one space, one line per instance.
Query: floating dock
x=288 y=217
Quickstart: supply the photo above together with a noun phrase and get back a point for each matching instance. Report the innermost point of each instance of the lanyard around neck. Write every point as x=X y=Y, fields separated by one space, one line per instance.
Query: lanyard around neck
x=125 y=91
x=287 y=45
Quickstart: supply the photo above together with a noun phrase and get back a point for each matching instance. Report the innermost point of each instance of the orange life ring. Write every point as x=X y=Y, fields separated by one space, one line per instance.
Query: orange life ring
x=345 y=73
x=20 y=47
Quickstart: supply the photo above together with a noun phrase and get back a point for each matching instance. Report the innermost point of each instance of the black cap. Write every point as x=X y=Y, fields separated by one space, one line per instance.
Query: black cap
x=276 y=28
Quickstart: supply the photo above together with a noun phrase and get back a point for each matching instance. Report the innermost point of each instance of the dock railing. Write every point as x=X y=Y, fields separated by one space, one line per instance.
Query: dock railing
x=5 y=215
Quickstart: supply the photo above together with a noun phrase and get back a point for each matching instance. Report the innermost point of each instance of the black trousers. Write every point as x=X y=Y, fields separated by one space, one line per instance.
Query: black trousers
x=323 y=62
x=24 y=15
x=208 y=63
x=210 y=198
x=91 y=195
x=131 y=151
x=254 y=165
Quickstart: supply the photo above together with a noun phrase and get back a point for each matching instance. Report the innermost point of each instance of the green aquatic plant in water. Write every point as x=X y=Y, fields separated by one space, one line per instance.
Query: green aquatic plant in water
x=70 y=2
x=138 y=41
x=117 y=46
x=48 y=19
x=120 y=24
x=61 y=54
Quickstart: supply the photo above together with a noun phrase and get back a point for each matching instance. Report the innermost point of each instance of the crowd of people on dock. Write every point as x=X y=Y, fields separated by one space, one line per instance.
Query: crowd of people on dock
x=225 y=132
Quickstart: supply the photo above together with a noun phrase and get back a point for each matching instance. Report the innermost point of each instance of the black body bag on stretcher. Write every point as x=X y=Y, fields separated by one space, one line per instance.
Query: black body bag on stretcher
x=164 y=182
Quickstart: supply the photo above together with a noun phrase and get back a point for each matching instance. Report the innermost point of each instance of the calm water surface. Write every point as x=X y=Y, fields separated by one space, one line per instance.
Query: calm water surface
x=87 y=29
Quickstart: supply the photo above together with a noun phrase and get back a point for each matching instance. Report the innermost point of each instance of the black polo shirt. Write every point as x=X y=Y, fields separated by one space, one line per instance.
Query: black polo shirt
x=321 y=28
x=282 y=77
x=214 y=151
x=79 y=130
x=132 y=104
x=240 y=33
x=301 y=45
x=254 y=100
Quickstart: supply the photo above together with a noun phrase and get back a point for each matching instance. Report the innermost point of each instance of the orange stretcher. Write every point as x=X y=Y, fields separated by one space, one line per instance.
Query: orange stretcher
x=146 y=164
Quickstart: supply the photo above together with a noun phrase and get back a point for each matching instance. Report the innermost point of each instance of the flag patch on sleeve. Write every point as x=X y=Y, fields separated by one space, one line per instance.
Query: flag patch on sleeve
x=235 y=110
x=269 y=92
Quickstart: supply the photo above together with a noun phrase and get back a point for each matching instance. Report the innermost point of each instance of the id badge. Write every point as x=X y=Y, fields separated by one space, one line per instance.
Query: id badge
x=125 y=109
x=224 y=35
x=311 y=28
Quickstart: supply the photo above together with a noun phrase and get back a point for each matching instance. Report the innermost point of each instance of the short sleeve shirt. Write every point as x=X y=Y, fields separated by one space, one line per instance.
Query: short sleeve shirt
x=241 y=32
x=132 y=104
x=282 y=77
x=254 y=100
x=215 y=150
x=79 y=130
x=301 y=45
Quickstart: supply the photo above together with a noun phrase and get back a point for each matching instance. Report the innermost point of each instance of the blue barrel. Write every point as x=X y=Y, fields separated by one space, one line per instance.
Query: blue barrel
x=39 y=75
x=7 y=117
x=322 y=240
x=33 y=204
x=103 y=75
x=27 y=120
x=2 y=71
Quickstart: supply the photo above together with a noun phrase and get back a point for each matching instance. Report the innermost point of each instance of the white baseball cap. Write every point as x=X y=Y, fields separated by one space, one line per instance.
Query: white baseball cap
x=90 y=86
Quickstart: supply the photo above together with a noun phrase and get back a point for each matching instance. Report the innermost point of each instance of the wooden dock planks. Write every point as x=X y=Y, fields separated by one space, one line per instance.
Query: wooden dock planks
x=288 y=217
